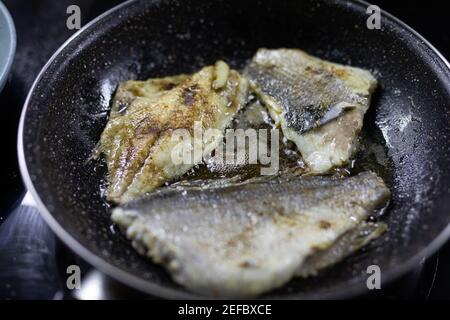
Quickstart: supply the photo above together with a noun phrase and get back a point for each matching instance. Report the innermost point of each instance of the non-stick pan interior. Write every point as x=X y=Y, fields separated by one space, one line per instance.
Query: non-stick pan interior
x=69 y=107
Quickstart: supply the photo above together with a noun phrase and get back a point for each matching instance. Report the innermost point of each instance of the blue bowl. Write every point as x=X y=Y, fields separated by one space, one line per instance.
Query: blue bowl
x=7 y=43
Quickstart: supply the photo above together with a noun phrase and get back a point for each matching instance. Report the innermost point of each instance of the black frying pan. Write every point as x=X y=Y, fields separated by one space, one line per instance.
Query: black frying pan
x=68 y=105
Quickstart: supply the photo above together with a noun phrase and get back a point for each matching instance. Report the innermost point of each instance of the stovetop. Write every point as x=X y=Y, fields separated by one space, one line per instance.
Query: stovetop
x=33 y=265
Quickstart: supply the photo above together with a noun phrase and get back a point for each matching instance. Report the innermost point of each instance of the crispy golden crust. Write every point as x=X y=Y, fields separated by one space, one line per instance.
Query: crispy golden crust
x=137 y=138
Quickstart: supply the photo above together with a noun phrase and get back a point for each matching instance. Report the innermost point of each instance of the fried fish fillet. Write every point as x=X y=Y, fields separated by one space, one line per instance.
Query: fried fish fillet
x=245 y=239
x=138 y=139
x=319 y=105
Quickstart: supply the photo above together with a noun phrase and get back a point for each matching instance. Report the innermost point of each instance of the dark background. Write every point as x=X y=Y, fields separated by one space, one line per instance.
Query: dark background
x=41 y=29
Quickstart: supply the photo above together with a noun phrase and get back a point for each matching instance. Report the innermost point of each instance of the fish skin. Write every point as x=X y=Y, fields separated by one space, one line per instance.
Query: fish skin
x=137 y=141
x=242 y=240
x=306 y=96
x=349 y=242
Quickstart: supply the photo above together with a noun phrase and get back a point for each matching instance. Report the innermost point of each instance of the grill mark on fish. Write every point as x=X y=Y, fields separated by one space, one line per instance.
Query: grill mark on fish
x=168 y=86
x=324 y=224
x=189 y=95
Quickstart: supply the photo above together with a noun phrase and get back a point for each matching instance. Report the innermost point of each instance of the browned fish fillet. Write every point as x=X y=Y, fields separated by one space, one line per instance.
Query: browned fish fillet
x=138 y=139
x=244 y=239
x=318 y=104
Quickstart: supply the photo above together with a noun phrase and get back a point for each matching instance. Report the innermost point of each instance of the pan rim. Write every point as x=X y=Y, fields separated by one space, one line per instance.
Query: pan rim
x=148 y=287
